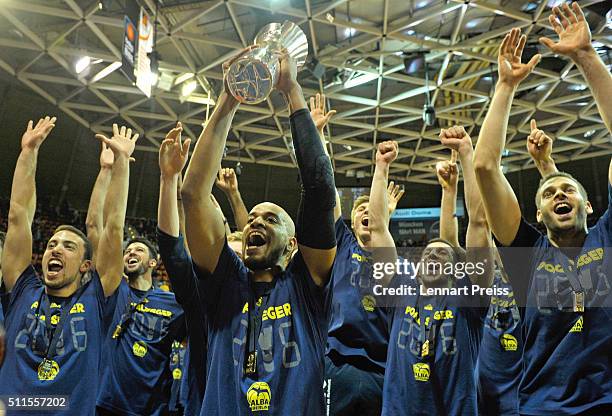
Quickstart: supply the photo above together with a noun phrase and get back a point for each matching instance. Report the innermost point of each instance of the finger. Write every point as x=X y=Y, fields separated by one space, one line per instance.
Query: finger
x=103 y=139
x=132 y=159
x=453 y=156
x=555 y=24
x=462 y=131
x=521 y=45
x=390 y=187
x=323 y=102
x=136 y=136
x=578 y=12
x=534 y=61
x=30 y=125
x=40 y=121
x=547 y=42
x=561 y=17
x=569 y=14
x=318 y=100
x=513 y=39
x=122 y=131
x=312 y=103
x=186 y=145
x=128 y=133
x=115 y=129
x=53 y=119
x=503 y=46
x=534 y=126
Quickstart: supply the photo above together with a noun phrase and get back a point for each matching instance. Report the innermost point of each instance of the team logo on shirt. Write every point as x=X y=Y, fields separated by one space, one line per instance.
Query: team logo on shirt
x=421 y=371
x=369 y=303
x=259 y=396
x=578 y=325
x=509 y=342
x=139 y=349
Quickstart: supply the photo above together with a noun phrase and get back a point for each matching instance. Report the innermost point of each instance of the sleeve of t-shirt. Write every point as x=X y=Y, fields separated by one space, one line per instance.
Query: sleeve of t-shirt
x=28 y=280
x=343 y=233
x=179 y=267
x=229 y=272
x=518 y=259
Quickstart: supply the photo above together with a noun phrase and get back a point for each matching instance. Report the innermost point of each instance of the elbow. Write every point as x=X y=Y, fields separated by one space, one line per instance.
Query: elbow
x=190 y=195
x=484 y=167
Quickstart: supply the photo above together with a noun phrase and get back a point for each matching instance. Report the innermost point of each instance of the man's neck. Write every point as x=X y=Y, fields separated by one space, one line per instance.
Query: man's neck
x=142 y=282
x=568 y=239
x=263 y=276
x=64 y=292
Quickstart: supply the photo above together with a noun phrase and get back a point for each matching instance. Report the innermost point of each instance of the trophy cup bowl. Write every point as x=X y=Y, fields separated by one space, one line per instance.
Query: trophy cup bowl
x=253 y=76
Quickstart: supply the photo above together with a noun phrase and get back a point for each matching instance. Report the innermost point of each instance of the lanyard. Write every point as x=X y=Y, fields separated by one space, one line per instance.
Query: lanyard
x=427 y=333
x=578 y=292
x=255 y=323
x=128 y=314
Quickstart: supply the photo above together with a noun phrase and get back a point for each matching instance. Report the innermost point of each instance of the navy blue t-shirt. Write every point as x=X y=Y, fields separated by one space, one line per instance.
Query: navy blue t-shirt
x=187 y=288
x=358 y=327
x=78 y=349
x=290 y=347
x=501 y=349
x=443 y=382
x=567 y=355
x=136 y=378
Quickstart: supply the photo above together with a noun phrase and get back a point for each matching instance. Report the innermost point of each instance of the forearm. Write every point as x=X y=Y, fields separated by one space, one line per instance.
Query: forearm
x=492 y=138
x=181 y=212
x=599 y=79
x=473 y=201
x=208 y=152
x=241 y=214
x=296 y=99
x=338 y=207
x=546 y=167
x=94 y=221
x=168 y=210
x=449 y=227
x=378 y=209
x=23 y=191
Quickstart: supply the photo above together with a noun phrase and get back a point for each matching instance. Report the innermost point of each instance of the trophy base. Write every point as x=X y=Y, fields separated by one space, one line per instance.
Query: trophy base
x=249 y=80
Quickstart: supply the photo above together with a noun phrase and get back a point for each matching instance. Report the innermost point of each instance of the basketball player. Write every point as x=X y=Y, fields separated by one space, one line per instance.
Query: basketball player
x=56 y=324
x=564 y=278
x=435 y=338
x=357 y=336
x=274 y=318
x=136 y=379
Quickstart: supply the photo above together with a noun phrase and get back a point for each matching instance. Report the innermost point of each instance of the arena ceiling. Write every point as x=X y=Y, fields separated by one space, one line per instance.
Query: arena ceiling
x=362 y=48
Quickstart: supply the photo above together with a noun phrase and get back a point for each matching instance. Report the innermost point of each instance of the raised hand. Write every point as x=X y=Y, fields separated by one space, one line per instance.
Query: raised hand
x=106 y=157
x=317 y=111
x=387 y=152
x=456 y=138
x=227 y=180
x=511 y=70
x=573 y=30
x=173 y=153
x=539 y=145
x=35 y=136
x=447 y=172
x=395 y=193
x=287 y=76
x=122 y=143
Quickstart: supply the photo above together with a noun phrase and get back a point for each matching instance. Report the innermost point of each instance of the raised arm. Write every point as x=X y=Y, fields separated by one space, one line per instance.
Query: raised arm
x=173 y=156
x=478 y=238
x=17 y=252
x=227 y=181
x=203 y=224
x=394 y=193
x=95 y=216
x=575 y=43
x=502 y=208
x=539 y=146
x=320 y=117
x=382 y=243
x=315 y=222
x=110 y=248
x=447 y=178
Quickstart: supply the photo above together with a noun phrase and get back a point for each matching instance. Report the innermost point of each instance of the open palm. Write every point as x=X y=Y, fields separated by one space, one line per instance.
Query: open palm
x=173 y=154
x=511 y=70
x=572 y=28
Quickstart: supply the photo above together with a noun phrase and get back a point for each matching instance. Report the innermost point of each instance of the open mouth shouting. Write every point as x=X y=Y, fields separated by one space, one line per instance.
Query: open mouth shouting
x=255 y=240
x=563 y=210
x=54 y=267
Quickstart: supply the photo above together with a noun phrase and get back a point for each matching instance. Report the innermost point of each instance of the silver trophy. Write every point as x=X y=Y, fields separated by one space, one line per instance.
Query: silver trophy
x=253 y=76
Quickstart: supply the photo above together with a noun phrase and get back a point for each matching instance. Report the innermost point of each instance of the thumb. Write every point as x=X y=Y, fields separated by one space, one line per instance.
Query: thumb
x=534 y=126
x=186 y=145
x=534 y=61
x=547 y=42
x=103 y=139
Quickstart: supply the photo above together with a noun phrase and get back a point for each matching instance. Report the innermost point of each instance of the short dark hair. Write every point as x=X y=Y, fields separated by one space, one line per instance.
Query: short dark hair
x=87 y=244
x=459 y=253
x=553 y=175
x=150 y=246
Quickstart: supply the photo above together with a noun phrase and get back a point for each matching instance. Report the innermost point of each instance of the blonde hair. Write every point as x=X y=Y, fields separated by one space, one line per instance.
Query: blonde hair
x=362 y=199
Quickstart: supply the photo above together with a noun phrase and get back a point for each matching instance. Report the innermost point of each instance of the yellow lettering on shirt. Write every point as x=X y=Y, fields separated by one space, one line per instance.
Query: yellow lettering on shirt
x=154 y=311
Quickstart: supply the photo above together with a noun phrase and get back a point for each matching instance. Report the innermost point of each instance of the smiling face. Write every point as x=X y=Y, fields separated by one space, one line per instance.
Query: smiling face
x=137 y=260
x=268 y=237
x=360 y=221
x=435 y=256
x=63 y=261
x=563 y=205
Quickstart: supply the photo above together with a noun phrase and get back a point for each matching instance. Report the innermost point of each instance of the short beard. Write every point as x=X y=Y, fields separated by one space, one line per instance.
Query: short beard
x=274 y=259
x=63 y=283
x=140 y=271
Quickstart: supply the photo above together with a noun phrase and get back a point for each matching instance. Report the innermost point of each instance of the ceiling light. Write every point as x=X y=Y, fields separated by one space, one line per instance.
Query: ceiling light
x=82 y=64
x=360 y=79
x=188 y=88
x=499 y=12
x=577 y=87
x=589 y=133
x=349 y=32
x=410 y=32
